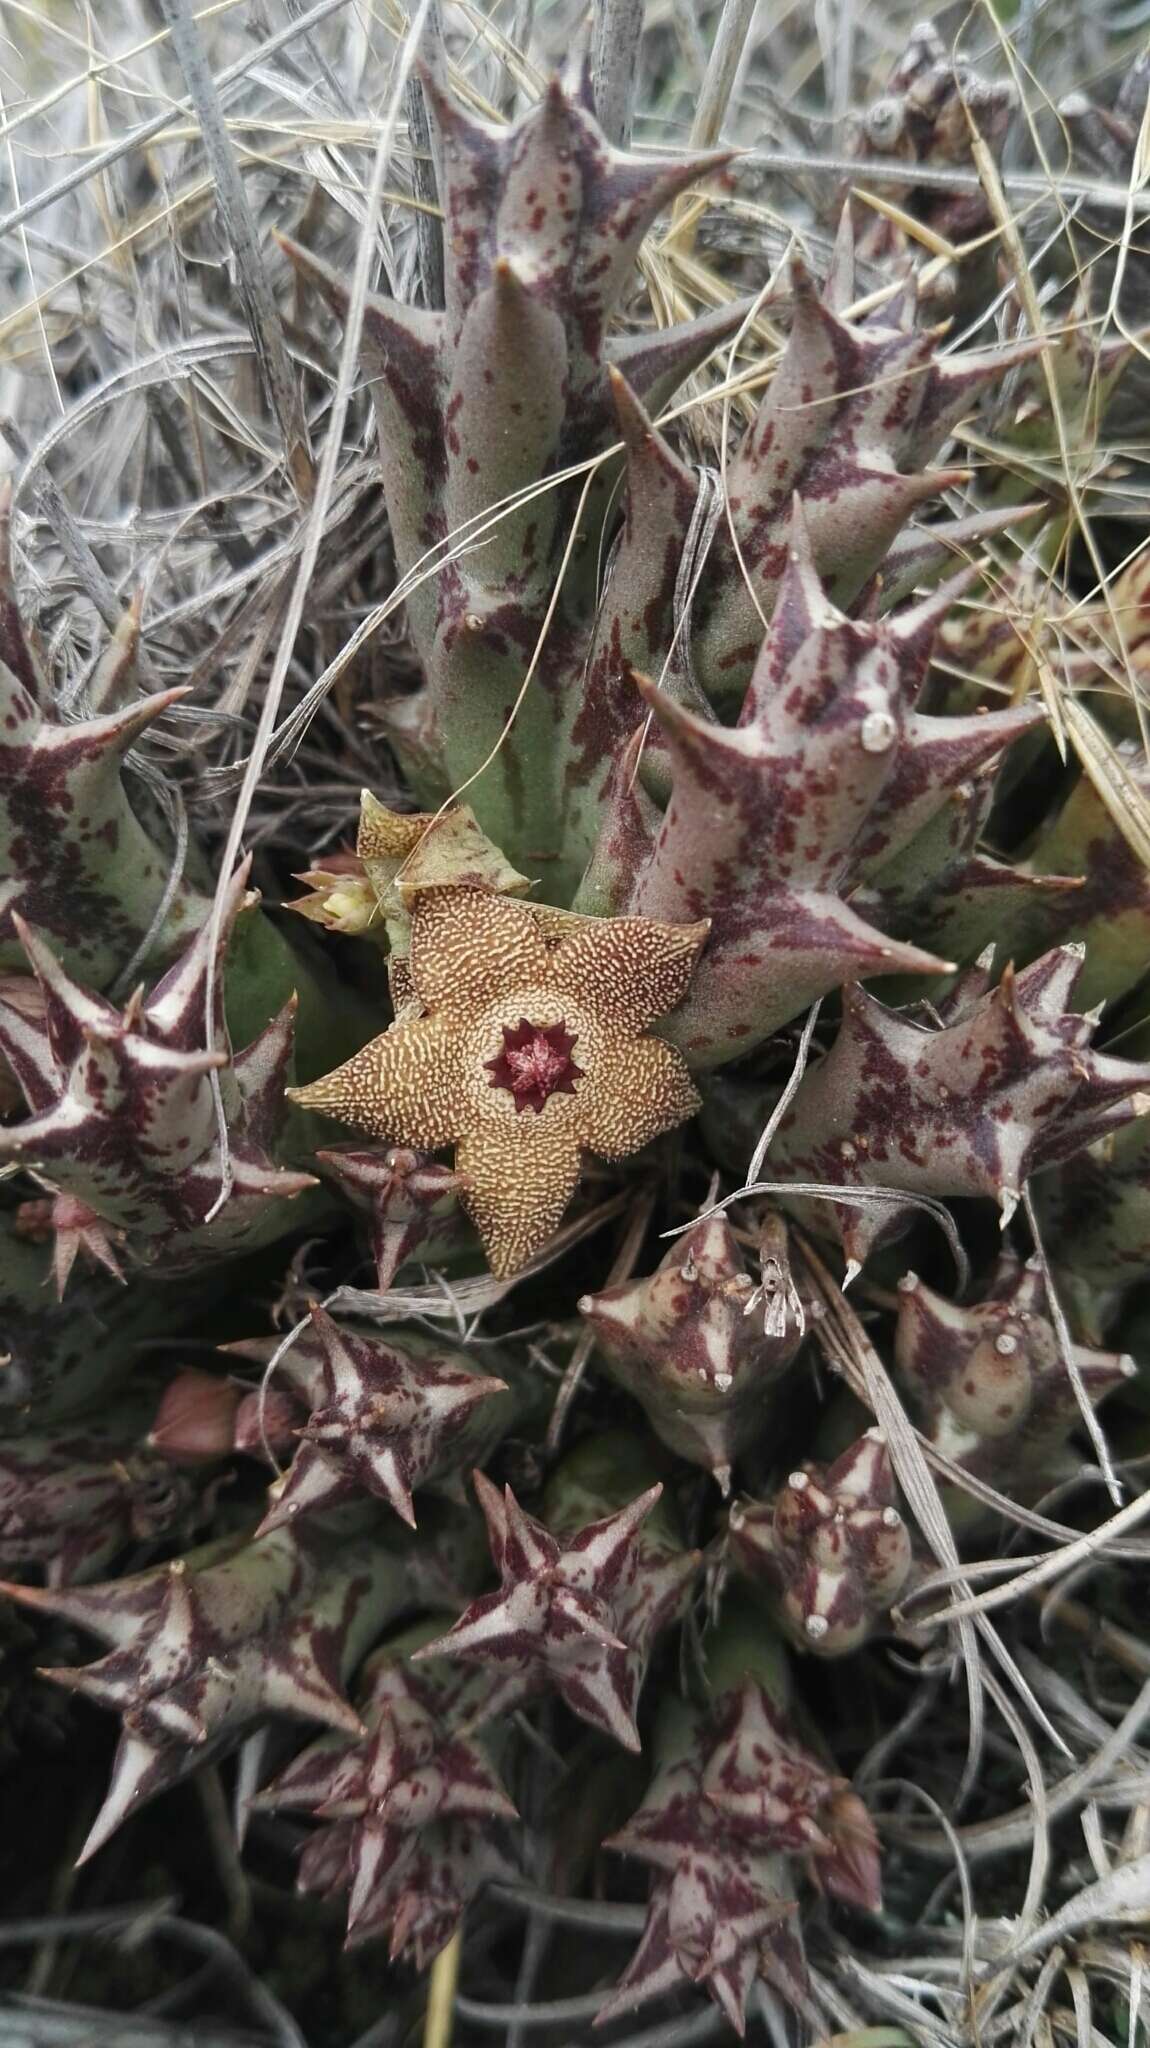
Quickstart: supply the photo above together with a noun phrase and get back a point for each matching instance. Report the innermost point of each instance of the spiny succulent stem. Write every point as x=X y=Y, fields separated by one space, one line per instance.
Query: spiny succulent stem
x=722 y=823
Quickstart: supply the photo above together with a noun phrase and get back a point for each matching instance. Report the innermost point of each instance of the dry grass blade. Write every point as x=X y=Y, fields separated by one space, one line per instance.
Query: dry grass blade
x=309 y=554
x=1122 y=1898
x=136 y=138
x=425 y=185
x=1070 y=456
x=621 y=1268
x=1066 y=1347
x=1011 y=1832
x=615 y=66
x=263 y=316
x=1093 y=1544
x=857 y=1198
x=1023 y=185
x=470 y=1296
x=437 y=2026
x=73 y=545
x=1040 y=1849
x=1127 y=804
x=730 y=35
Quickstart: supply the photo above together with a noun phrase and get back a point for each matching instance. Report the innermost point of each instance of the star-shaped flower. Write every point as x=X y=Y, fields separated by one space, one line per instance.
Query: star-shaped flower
x=527 y=1049
x=565 y=1612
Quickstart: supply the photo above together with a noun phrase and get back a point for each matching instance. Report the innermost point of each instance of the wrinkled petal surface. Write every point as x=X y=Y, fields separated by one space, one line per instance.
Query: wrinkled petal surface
x=516 y=1185
x=469 y=948
x=404 y=1085
x=637 y=1089
x=627 y=970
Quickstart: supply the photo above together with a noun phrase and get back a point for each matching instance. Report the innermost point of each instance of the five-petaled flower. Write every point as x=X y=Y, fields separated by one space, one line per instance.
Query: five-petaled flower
x=527 y=1048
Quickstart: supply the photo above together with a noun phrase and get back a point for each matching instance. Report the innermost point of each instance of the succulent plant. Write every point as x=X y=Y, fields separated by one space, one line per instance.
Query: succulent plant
x=1096 y=1212
x=207 y=1646
x=411 y=1201
x=500 y=1429
x=931 y=103
x=381 y=1419
x=972 y=1105
x=74 y=855
x=414 y=1814
x=129 y=1109
x=831 y=1546
x=576 y=1609
x=989 y=1380
x=698 y=1343
x=734 y=1799
x=70 y=1503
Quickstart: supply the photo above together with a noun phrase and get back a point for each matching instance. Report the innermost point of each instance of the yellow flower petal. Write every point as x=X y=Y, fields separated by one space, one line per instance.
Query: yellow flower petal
x=637 y=1090
x=405 y=1085
x=517 y=1182
x=469 y=947
x=627 y=970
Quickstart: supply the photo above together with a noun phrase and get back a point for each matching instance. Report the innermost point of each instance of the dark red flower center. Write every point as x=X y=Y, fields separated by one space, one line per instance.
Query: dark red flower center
x=535 y=1063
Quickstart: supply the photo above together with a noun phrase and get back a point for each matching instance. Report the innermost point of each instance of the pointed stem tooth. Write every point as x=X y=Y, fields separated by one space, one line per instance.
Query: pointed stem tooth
x=396 y=1490
x=135 y=1773
x=118 y=730
x=82 y=1007
x=86 y=1608
x=588 y=1626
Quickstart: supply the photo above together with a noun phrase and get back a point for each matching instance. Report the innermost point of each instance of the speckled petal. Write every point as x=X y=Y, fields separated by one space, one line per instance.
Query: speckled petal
x=404 y=1085
x=636 y=1091
x=469 y=947
x=517 y=1183
x=628 y=970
